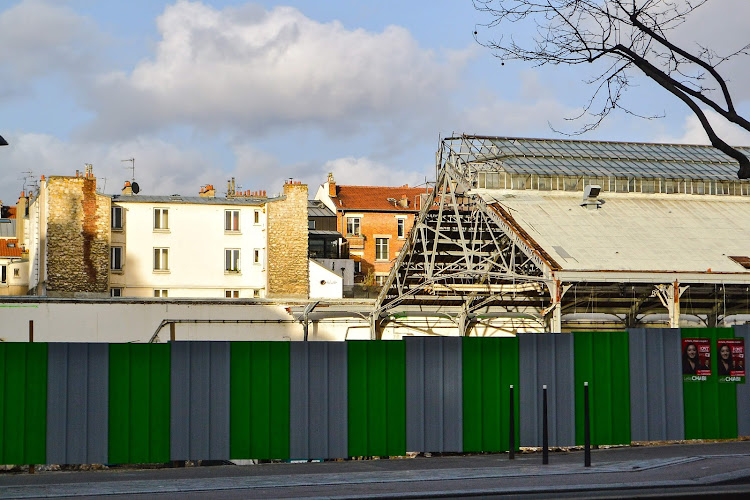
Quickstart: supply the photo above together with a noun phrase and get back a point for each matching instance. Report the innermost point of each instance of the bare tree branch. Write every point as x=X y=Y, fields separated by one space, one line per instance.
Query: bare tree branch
x=630 y=34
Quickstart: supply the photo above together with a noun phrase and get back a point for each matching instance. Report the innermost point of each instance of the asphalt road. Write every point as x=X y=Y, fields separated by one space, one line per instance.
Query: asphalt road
x=706 y=470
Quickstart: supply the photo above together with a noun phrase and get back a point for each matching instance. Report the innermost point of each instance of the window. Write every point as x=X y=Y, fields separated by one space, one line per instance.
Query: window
x=256 y=293
x=232 y=294
x=401 y=228
x=161 y=293
x=352 y=226
x=256 y=256
x=115 y=292
x=256 y=217
x=3 y=274
x=357 y=267
x=232 y=260
x=161 y=218
x=232 y=220
x=381 y=249
x=310 y=224
x=16 y=273
x=161 y=259
x=115 y=258
x=380 y=280
x=116 y=217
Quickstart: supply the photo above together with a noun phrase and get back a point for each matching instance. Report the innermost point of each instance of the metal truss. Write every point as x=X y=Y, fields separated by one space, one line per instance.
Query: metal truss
x=465 y=252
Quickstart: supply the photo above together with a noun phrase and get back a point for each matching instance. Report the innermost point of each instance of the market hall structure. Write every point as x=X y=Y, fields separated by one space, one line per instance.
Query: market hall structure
x=559 y=235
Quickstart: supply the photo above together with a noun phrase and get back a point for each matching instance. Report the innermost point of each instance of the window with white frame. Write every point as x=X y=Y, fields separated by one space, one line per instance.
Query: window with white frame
x=161 y=218
x=232 y=260
x=232 y=220
x=115 y=258
x=380 y=279
x=352 y=226
x=161 y=259
x=116 y=217
x=115 y=292
x=256 y=256
x=357 y=267
x=161 y=292
x=381 y=249
x=401 y=228
x=232 y=294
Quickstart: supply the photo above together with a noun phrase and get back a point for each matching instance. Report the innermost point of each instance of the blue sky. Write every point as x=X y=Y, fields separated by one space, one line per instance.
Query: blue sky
x=198 y=92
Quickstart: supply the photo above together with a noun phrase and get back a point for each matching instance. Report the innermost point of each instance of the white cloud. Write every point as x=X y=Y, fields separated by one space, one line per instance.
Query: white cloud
x=253 y=70
x=693 y=132
x=366 y=172
x=38 y=38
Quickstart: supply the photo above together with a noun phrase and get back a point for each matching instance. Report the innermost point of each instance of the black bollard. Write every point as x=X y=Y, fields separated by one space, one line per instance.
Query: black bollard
x=545 y=433
x=512 y=425
x=586 y=427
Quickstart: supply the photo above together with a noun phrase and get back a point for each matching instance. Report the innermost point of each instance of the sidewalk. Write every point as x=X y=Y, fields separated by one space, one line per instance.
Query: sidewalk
x=692 y=468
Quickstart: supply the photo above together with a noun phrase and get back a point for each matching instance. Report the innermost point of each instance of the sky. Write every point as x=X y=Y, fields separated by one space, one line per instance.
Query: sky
x=197 y=92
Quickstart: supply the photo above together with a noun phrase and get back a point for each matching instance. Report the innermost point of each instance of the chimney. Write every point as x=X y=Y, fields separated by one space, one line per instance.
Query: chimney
x=403 y=202
x=127 y=190
x=331 y=185
x=207 y=191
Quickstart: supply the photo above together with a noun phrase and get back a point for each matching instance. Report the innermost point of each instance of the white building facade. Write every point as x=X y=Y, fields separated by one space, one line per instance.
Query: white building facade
x=193 y=247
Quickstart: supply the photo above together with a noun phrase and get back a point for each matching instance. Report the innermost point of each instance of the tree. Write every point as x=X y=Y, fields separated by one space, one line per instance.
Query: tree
x=623 y=35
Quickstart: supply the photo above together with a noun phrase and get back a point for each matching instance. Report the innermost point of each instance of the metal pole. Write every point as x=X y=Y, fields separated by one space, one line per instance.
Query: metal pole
x=31 y=331
x=586 y=427
x=545 y=435
x=512 y=426
x=172 y=333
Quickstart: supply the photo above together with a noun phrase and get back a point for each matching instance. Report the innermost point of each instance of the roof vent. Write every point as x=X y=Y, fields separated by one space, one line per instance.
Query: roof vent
x=590 y=193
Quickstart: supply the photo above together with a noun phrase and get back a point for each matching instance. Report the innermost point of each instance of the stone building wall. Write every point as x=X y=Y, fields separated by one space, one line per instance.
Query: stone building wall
x=78 y=234
x=288 y=267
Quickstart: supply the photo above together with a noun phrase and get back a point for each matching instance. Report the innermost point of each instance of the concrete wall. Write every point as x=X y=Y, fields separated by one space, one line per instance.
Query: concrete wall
x=288 y=272
x=324 y=283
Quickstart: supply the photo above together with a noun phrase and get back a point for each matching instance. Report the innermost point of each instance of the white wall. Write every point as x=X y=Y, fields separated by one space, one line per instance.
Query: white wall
x=324 y=283
x=196 y=241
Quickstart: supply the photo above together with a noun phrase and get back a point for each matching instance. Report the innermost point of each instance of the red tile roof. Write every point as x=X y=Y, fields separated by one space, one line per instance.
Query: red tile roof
x=6 y=250
x=376 y=198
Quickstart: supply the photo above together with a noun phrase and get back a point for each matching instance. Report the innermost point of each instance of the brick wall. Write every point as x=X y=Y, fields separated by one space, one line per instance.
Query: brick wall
x=374 y=224
x=78 y=233
x=288 y=267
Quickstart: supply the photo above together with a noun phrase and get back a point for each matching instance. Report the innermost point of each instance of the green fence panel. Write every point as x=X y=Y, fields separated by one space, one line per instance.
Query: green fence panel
x=139 y=398
x=377 y=398
x=490 y=367
x=259 y=400
x=710 y=407
x=23 y=403
x=602 y=360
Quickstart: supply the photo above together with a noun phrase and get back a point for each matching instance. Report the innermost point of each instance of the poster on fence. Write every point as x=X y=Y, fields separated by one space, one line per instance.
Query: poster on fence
x=730 y=362
x=696 y=359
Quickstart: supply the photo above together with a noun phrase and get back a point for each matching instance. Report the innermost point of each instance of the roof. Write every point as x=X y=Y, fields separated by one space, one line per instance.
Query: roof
x=324 y=234
x=598 y=158
x=633 y=232
x=376 y=198
x=9 y=248
x=194 y=200
x=8 y=212
x=316 y=208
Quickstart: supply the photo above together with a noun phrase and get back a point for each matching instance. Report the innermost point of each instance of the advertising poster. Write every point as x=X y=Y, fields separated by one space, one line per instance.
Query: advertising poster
x=696 y=359
x=730 y=360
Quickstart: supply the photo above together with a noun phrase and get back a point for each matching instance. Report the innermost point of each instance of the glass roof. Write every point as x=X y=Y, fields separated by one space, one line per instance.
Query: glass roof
x=606 y=159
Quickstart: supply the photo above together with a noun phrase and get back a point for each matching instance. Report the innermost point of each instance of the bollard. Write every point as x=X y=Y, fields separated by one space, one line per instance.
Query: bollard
x=545 y=434
x=512 y=425
x=172 y=333
x=586 y=427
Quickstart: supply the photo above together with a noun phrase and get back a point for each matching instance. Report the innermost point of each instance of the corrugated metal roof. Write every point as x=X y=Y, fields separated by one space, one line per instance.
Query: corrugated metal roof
x=325 y=234
x=316 y=208
x=196 y=200
x=634 y=232
x=598 y=158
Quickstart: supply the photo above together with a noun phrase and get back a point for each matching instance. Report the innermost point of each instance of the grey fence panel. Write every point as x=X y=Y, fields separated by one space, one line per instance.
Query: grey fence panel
x=547 y=359
x=199 y=401
x=318 y=400
x=656 y=412
x=743 y=390
x=434 y=394
x=77 y=403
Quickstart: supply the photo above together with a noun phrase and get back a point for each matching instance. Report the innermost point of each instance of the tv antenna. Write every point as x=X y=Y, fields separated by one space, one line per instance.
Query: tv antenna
x=131 y=167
